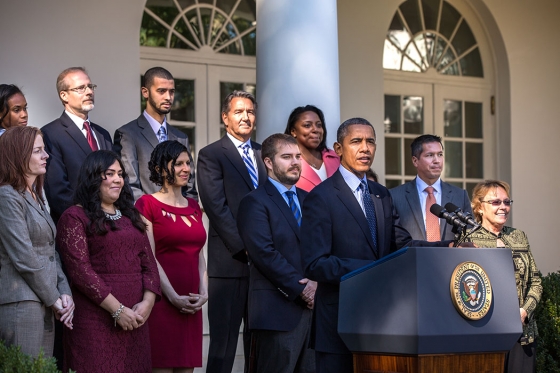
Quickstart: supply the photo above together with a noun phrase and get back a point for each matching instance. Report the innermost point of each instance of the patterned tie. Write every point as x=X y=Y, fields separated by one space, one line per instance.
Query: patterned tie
x=293 y=206
x=161 y=134
x=370 y=212
x=432 y=221
x=250 y=165
x=90 y=139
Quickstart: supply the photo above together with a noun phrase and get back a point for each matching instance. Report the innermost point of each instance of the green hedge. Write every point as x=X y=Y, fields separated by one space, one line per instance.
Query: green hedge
x=548 y=323
x=12 y=360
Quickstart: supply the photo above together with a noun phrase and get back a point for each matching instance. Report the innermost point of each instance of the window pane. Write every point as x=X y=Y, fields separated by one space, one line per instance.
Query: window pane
x=392 y=156
x=431 y=10
x=164 y=9
x=474 y=166
x=451 y=69
x=409 y=168
x=412 y=53
x=152 y=33
x=473 y=120
x=411 y=14
x=392 y=183
x=453 y=159
x=448 y=57
x=183 y=105
x=469 y=189
x=413 y=113
x=458 y=184
x=392 y=114
x=391 y=56
x=452 y=118
x=449 y=18
x=464 y=38
x=471 y=64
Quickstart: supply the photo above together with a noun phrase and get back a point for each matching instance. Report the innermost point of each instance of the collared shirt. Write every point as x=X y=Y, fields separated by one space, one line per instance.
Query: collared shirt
x=282 y=189
x=80 y=123
x=422 y=194
x=354 y=184
x=2 y=130
x=239 y=145
x=155 y=124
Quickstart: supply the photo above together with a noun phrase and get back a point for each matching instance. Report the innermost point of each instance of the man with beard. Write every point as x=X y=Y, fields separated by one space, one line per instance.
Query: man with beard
x=228 y=169
x=136 y=140
x=280 y=297
x=70 y=138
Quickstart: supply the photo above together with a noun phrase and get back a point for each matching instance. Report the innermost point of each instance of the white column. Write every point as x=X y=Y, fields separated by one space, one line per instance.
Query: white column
x=297 y=62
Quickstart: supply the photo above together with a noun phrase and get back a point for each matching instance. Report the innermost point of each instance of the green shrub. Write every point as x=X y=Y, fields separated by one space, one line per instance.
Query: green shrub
x=548 y=323
x=12 y=360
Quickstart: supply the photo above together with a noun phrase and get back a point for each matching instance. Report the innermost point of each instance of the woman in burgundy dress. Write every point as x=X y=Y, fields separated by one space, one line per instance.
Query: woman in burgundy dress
x=112 y=270
x=177 y=235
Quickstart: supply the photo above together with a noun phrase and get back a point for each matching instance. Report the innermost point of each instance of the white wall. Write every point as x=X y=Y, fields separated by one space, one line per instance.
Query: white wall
x=39 y=39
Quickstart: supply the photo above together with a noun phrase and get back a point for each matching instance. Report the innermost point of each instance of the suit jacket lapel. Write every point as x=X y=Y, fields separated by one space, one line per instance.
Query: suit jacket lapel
x=100 y=139
x=232 y=154
x=446 y=197
x=308 y=174
x=74 y=132
x=41 y=210
x=347 y=198
x=380 y=217
x=147 y=131
x=261 y=168
x=414 y=203
x=279 y=200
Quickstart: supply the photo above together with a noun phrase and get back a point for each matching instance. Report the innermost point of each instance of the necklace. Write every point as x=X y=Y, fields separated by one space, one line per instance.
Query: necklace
x=116 y=216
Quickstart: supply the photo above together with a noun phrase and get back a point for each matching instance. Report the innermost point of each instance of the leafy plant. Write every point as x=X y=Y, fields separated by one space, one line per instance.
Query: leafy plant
x=548 y=324
x=13 y=360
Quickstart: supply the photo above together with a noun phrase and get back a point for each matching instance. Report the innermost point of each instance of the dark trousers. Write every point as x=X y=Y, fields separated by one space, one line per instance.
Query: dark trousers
x=334 y=363
x=227 y=307
x=285 y=352
x=521 y=359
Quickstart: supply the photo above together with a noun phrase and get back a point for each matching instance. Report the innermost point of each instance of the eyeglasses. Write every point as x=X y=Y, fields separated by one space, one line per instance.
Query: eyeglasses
x=82 y=89
x=498 y=202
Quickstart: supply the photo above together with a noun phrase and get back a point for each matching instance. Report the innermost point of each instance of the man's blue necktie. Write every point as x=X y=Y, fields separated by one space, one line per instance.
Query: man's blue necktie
x=293 y=206
x=250 y=165
x=162 y=134
x=370 y=212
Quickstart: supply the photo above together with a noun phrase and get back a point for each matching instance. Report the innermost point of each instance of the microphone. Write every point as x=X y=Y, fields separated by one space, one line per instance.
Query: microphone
x=450 y=217
x=465 y=217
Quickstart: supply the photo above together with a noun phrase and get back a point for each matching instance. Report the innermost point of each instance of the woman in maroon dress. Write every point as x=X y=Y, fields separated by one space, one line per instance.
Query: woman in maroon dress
x=112 y=270
x=177 y=235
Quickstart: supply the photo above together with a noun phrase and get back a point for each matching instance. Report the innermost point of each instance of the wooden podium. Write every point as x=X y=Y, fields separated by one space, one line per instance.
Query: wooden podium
x=398 y=315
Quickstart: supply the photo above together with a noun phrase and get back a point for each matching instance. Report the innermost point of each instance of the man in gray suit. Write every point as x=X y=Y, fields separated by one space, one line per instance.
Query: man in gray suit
x=412 y=200
x=136 y=140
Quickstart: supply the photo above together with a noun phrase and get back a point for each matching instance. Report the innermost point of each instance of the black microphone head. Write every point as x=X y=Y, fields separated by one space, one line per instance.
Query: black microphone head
x=437 y=210
x=451 y=207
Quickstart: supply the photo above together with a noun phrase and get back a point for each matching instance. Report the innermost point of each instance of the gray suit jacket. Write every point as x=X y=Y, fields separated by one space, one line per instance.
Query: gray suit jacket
x=135 y=142
x=30 y=265
x=407 y=205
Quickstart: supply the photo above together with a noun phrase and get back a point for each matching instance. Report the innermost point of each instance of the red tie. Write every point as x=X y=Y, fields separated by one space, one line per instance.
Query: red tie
x=90 y=139
x=432 y=221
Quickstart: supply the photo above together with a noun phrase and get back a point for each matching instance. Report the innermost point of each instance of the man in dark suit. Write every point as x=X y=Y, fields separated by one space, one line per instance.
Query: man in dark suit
x=136 y=140
x=280 y=297
x=348 y=222
x=70 y=138
x=412 y=200
x=228 y=169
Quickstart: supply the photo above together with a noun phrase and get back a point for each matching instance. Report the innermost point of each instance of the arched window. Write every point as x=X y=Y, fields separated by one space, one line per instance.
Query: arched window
x=224 y=26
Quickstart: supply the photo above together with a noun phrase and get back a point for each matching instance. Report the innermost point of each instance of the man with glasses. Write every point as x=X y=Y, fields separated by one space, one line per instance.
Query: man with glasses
x=70 y=138
x=412 y=200
x=136 y=140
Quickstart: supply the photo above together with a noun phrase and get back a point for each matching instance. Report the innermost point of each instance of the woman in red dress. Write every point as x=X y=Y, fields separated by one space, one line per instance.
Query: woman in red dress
x=112 y=271
x=177 y=236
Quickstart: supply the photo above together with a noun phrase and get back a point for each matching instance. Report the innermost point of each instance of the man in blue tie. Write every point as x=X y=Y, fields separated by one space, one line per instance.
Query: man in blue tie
x=280 y=297
x=228 y=169
x=136 y=140
x=348 y=222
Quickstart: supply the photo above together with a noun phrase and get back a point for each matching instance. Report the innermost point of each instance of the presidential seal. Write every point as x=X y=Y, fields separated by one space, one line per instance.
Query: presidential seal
x=471 y=291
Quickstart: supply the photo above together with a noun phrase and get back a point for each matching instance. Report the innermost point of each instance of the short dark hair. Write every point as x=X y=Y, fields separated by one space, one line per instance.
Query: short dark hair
x=163 y=153
x=342 y=131
x=61 y=82
x=7 y=91
x=296 y=114
x=269 y=146
x=417 y=145
x=155 y=72
x=226 y=105
x=16 y=146
x=92 y=173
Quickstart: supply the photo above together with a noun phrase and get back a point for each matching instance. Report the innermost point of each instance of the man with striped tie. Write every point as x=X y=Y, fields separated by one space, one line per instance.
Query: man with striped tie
x=280 y=297
x=228 y=169
x=136 y=140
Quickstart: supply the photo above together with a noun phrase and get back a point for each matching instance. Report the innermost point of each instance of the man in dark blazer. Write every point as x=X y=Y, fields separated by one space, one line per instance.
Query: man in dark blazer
x=348 y=222
x=69 y=139
x=280 y=297
x=223 y=180
x=136 y=140
x=410 y=199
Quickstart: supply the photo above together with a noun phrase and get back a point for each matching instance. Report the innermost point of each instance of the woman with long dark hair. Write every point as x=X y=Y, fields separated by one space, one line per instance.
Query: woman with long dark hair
x=33 y=286
x=112 y=269
x=13 y=107
x=177 y=236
